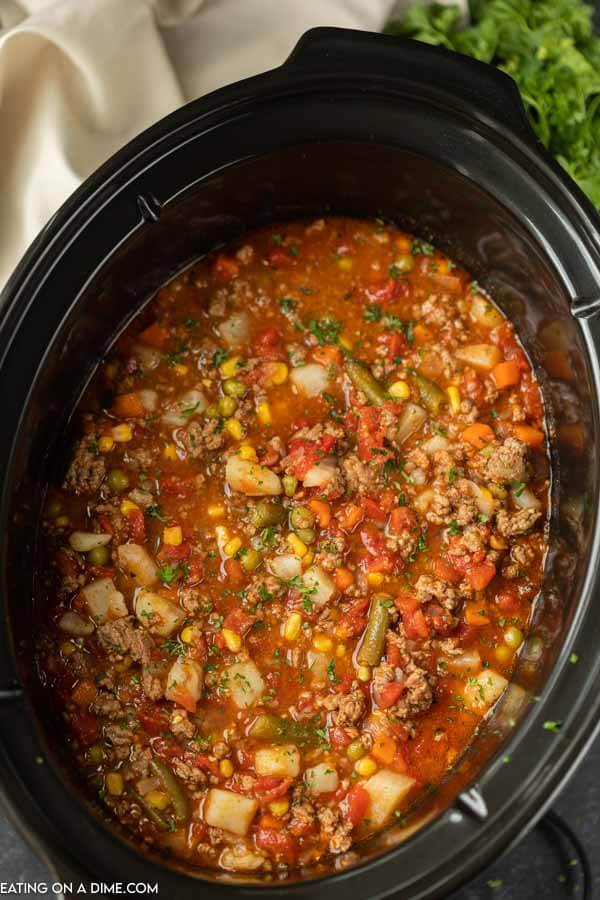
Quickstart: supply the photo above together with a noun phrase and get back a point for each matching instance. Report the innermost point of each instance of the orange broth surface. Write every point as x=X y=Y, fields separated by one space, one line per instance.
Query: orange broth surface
x=296 y=547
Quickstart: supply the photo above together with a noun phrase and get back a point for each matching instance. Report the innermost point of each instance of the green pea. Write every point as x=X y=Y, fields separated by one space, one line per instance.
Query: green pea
x=234 y=388
x=250 y=560
x=118 y=480
x=227 y=406
x=289 y=485
x=53 y=508
x=355 y=750
x=301 y=517
x=513 y=637
x=306 y=535
x=95 y=754
x=99 y=556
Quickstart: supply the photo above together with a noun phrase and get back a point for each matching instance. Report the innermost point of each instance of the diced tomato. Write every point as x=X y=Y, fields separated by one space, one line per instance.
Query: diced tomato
x=84 y=693
x=480 y=576
x=393 y=654
x=395 y=344
x=66 y=564
x=381 y=558
x=269 y=787
x=389 y=693
x=472 y=386
x=446 y=572
x=507 y=600
x=105 y=523
x=136 y=526
x=385 y=291
x=177 y=485
x=532 y=401
x=153 y=720
x=413 y=617
x=303 y=454
x=239 y=620
x=225 y=269
x=85 y=726
x=101 y=571
x=234 y=572
x=402 y=519
x=173 y=552
x=276 y=842
x=373 y=510
x=356 y=617
x=357 y=801
x=370 y=435
x=339 y=737
x=280 y=259
x=194 y=571
x=245 y=759
x=268 y=344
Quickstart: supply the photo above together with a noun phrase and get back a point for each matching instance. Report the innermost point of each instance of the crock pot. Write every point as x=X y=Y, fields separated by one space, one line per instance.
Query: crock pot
x=358 y=124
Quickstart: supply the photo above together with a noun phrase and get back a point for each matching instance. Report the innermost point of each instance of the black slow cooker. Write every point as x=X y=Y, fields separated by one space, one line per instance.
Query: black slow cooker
x=357 y=124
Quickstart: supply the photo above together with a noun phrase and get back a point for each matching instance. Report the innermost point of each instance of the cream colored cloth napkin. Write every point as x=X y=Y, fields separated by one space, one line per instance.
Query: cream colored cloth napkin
x=80 y=78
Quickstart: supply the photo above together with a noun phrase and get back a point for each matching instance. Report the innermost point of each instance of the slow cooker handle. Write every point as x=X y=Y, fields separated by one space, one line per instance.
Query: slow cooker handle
x=490 y=93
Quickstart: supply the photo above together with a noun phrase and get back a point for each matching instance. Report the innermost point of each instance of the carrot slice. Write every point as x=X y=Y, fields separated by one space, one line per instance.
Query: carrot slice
x=480 y=576
x=154 y=336
x=322 y=511
x=384 y=748
x=343 y=579
x=128 y=406
x=478 y=435
x=475 y=616
x=533 y=437
x=506 y=374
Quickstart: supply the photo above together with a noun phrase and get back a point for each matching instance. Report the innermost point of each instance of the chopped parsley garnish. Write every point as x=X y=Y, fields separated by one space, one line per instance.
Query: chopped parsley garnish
x=331 y=673
x=156 y=512
x=552 y=726
x=174 y=647
x=421 y=248
x=287 y=304
x=168 y=573
x=453 y=474
x=518 y=487
x=454 y=528
x=372 y=314
x=219 y=356
x=326 y=331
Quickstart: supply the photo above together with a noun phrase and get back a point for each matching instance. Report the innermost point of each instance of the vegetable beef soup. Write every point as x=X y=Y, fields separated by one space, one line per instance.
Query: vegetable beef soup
x=294 y=554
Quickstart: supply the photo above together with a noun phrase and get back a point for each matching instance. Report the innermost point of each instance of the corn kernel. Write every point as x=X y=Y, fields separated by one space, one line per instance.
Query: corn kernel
x=180 y=369
x=298 y=546
x=291 y=629
x=114 y=784
x=345 y=263
x=67 y=647
x=229 y=367
x=105 y=444
x=365 y=767
x=173 y=536
x=486 y=495
x=498 y=543
x=128 y=506
x=187 y=634
x=340 y=650
x=263 y=413
x=400 y=390
x=170 y=452
x=215 y=510
x=232 y=639
x=122 y=433
x=232 y=546
x=226 y=768
x=454 y=398
x=307 y=559
x=364 y=673
x=247 y=451
x=322 y=642
x=279 y=373
x=157 y=799
x=234 y=428
x=375 y=579
x=278 y=808
x=503 y=653
x=62 y=521
x=346 y=343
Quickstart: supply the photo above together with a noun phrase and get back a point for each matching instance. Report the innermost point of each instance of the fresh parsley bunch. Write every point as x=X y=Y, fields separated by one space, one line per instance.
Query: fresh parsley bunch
x=550 y=49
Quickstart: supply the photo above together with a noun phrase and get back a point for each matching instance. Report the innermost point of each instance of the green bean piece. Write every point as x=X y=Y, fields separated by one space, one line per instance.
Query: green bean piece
x=271 y=728
x=289 y=485
x=266 y=513
x=227 y=405
x=99 y=556
x=233 y=387
x=373 y=641
x=117 y=480
x=301 y=517
x=432 y=396
x=173 y=789
x=306 y=535
x=153 y=814
x=364 y=381
x=250 y=560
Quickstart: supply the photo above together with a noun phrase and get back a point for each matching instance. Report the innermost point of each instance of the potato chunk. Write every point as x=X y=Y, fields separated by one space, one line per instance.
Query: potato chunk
x=321 y=779
x=184 y=683
x=282 y=761
x=481 y=356
x=245 y=684
x=229 y=811
x=136 y=562
x=157 y=613
x=386 y=789
x=484 y=689
x=104 y=602
x=251 y=479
